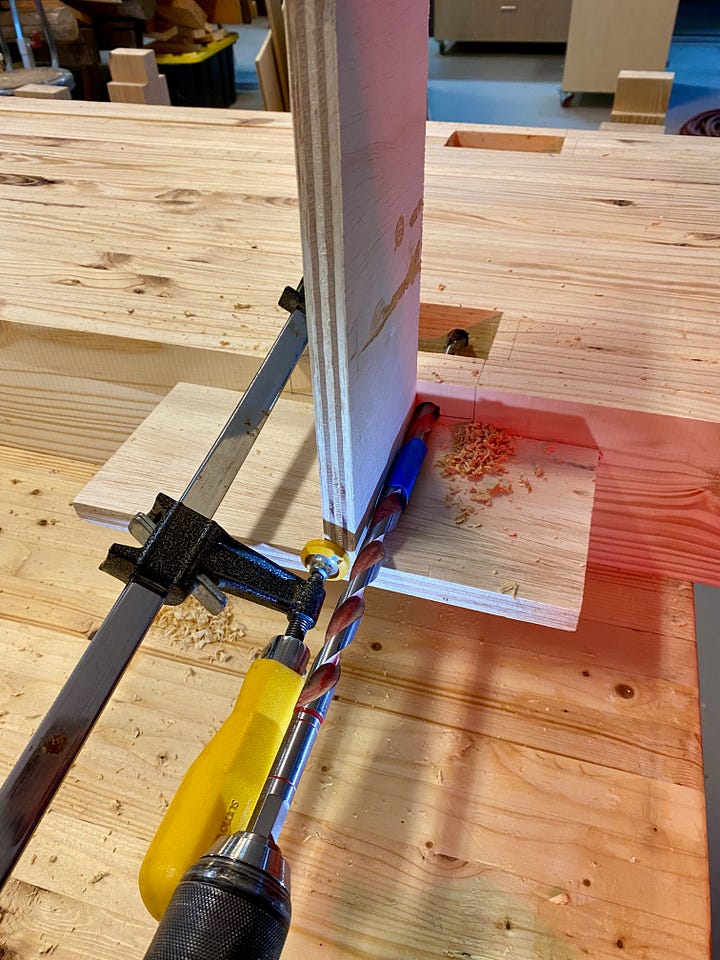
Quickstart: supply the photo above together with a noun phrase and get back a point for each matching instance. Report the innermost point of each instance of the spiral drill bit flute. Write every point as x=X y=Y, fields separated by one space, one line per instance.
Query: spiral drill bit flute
x=234 y=903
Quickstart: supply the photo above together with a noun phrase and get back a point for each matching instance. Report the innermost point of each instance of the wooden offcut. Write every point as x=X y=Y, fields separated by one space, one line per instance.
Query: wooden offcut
x=279 y=42
x=267 y=74
x=182 y=13
x=43 y=91
x=520 y=554
x=135 y=78
x=156 y=91
x=642 y=96
x=359 y=122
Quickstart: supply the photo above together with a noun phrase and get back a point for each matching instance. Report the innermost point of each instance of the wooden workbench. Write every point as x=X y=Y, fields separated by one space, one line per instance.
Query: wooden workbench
x=483 y=788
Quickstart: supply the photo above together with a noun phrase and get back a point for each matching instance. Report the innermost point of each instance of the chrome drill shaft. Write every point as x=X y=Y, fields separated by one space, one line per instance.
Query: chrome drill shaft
x=280 y=788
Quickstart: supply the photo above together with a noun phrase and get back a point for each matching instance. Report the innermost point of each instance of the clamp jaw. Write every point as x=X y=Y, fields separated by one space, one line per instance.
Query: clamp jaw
x=185 y=553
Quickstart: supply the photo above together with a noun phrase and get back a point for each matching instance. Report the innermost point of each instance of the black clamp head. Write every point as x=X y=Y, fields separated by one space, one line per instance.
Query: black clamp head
x=186 y=553
x=292 y=300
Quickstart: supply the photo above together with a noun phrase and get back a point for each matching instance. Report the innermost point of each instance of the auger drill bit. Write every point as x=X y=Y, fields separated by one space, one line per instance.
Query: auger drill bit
x=234 y=903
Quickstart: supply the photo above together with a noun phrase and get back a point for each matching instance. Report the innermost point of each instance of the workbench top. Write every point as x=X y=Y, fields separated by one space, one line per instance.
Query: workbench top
x=483 y=788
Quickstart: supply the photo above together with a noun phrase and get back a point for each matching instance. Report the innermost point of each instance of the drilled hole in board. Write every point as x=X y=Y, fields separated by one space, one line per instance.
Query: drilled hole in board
x=437 y=320
x=519 y=142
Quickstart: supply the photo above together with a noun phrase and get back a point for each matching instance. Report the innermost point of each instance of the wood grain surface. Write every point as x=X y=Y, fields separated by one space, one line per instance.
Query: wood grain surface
x=522 y=555
x=597 y=263
x=482 y=787
x=358 y=93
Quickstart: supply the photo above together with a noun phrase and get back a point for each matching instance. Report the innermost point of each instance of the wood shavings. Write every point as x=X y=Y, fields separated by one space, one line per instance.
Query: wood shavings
x=479 y=450
x=190 y=626
x=510 y=587
x=100 y=875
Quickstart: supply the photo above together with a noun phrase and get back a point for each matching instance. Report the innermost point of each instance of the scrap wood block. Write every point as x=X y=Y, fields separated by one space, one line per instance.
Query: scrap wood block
x=154 y=92
x=161 y=31
x=128 y=65
x=642 y=96
x=279 y=41
x=175 y=45
x=514 y=543
x=43 y=91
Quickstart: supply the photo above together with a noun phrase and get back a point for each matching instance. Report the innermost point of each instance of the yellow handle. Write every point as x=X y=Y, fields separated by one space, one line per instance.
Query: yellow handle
x=219 y=791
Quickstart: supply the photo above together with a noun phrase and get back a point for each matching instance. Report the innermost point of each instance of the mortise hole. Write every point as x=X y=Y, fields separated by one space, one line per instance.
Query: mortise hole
x=438 y=319
x=519 y=142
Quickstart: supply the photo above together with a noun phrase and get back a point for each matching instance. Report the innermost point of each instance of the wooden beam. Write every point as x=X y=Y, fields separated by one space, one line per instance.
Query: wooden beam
x=358 y=78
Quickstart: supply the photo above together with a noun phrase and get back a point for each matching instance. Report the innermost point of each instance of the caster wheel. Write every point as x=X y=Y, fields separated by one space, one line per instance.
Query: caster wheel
x=567 y=100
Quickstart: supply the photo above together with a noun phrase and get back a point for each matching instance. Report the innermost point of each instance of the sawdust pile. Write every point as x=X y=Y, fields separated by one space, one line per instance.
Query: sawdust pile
x=479 y=450
x=190 y=625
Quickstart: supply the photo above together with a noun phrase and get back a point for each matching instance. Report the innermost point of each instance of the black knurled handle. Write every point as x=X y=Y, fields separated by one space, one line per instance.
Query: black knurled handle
x=245 y=919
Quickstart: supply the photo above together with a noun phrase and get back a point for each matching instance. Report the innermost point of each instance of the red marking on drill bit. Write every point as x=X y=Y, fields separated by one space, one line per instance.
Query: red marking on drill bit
x=370 y=555
x=302 y=712
x=392 y=504
x=319 y=682
x=423 y=420
x=347 y=613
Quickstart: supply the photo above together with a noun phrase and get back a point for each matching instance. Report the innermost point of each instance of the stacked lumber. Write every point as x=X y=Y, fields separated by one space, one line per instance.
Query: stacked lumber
x=186 y=26
x=135 y=78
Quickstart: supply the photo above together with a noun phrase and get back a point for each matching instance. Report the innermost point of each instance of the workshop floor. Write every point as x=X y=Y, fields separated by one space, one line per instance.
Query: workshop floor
x=490 y=83
x=475 y=83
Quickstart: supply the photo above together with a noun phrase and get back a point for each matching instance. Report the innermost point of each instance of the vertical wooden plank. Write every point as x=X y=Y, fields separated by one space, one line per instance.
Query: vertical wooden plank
x=358 y=74
x=267 y=74
x=279 y=41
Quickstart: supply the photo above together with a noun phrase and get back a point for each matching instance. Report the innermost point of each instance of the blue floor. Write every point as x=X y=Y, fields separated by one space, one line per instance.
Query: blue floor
x=475 y=83
x=696 y=62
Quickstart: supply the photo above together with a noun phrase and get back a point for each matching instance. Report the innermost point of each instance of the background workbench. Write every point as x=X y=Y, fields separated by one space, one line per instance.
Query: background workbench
x=483 y=788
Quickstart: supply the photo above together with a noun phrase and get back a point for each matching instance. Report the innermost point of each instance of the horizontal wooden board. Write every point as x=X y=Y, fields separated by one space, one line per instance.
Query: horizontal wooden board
x=521 y=556
x=598 y=261
x=540 y=791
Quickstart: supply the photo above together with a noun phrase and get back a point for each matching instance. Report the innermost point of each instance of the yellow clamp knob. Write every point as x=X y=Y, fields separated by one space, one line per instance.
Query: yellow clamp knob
x=326 y=548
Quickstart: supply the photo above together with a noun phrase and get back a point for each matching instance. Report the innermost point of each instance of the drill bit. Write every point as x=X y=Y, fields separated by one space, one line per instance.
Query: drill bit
x=456 y=340
x=235 y=901
x=280 y=788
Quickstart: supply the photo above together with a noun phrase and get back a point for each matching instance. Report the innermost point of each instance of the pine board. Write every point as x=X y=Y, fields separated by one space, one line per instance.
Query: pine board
x=476 y=769
x=472 y=564
x=600 y=262
x=358 y=95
